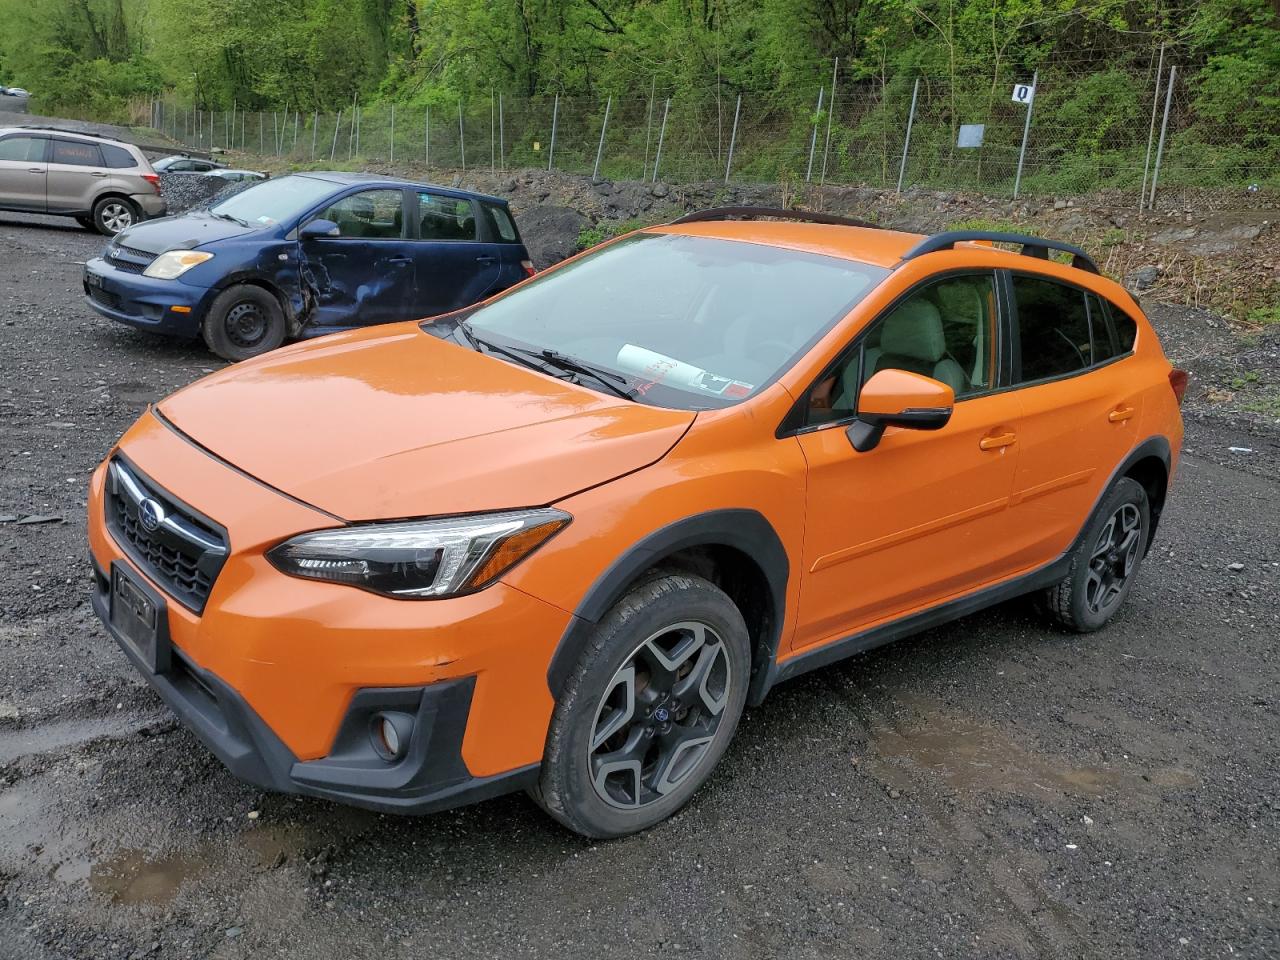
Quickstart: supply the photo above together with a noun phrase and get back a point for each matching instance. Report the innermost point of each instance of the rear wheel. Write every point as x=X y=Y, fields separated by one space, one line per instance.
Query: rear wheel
x=649 y=710
x=113 y=214
x=243 y=321
x=1106 y=562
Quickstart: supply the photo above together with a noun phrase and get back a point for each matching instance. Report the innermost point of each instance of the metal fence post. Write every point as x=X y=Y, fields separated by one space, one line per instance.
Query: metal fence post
x=315 y=130
x=1164 y=126
x=262 y=133
x=831 y=111
x=662 y=133
x=462 y=138
x=493 y=131
x=426 y=139
x=733 y=139
x=296 y=115
x=648 y=132
x=392 y=153
x=813 y=140
x=595 y=173
x=359 y=118
x=337 y=125
x=555 y=115
x=1151 y=131
x=1026 y=132
x=906 y=143
x=502 y=138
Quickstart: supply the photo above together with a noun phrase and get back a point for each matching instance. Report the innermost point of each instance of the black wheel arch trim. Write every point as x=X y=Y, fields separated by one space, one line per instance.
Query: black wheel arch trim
x=745 y=530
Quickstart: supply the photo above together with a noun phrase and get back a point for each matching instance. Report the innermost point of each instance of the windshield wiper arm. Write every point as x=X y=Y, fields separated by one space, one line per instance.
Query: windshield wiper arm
x=227 y=216
x=479 y=345
x=606 y=378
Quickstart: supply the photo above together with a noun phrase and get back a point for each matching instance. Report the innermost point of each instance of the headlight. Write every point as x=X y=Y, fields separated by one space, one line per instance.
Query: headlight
x=422 y=559
x=175 y=263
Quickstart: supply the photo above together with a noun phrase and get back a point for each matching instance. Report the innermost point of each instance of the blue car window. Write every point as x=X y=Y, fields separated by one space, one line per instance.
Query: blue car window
x=445 y=218
x=369 y=214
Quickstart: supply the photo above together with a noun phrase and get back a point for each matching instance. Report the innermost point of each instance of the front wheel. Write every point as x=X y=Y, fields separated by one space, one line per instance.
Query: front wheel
x=1106 y=561
x=649 y=710
x=243 y=321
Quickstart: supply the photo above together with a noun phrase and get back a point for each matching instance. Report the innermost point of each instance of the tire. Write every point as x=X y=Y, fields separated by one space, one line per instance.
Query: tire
x=113 y=214
x=243 y=321
x=1106 y=562
x=674 y=631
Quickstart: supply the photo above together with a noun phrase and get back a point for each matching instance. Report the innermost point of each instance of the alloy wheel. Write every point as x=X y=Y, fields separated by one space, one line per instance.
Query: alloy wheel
x=246 y=324
x=117 y=216
x=1115 y=554
x=659 y=715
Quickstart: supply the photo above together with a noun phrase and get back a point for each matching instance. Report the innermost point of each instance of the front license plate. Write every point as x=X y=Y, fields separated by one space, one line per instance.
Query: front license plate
x=137 y=616
x=93 y=279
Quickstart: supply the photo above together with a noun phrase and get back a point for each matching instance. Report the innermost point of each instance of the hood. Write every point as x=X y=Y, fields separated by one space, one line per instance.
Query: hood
x=183 y=232
x=394 y=422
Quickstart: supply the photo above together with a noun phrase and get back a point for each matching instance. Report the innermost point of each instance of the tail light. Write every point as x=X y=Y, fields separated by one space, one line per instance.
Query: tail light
x=153 y=179
x=528 y=268
x=1178 y=379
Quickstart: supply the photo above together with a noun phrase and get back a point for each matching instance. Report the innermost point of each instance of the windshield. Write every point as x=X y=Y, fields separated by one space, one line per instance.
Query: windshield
x=274 y=201
x=689 y=322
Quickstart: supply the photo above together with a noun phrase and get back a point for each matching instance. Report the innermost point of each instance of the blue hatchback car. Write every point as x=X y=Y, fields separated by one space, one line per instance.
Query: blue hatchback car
x=304 y=255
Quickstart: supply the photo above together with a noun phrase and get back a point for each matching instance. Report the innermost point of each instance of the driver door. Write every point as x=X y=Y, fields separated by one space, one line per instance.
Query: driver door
x=365 y=274
x=924 y=516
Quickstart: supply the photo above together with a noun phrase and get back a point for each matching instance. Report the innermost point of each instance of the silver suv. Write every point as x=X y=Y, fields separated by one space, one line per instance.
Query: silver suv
x=106 y=184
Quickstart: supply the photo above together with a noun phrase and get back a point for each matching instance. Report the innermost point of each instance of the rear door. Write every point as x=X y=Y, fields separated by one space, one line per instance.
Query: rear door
x=365 y=274
x=497 y=222
x=1080 y=408
x=76 y=170
x=23 y=172
x=454 y=265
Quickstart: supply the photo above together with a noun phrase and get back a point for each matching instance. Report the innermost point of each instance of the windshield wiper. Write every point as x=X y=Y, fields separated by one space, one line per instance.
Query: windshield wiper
x=606 y=378
x=227 y=216
x=550 y=358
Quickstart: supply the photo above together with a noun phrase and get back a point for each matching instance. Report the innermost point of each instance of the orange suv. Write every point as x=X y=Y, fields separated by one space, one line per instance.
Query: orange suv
x=558 y=540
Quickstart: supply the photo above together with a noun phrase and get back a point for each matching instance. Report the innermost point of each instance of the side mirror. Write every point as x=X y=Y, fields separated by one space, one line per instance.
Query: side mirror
x=317 y=229
x=899 y=398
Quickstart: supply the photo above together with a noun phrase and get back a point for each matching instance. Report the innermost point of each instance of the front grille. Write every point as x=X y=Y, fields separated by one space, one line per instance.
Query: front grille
x=129 y=259
x=179 y=549
x=106 y=298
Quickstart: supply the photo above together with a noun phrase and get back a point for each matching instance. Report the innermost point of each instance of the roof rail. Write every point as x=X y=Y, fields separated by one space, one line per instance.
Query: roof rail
x=48 y=128
x=1038 y=247
x=777 y=213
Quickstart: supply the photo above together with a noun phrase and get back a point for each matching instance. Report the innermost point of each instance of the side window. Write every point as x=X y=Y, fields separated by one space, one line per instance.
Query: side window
x=117 y=158
x=945 y=330
x=445 y=218
x=1124 y=326
x=369 y=214
x=500 y=224
x=22 y=149
x=76 y=153
x=1053 y=328
x=1104 y=347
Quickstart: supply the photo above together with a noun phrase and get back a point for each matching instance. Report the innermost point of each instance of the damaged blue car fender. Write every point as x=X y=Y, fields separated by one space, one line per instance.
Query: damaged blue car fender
x=305 y=255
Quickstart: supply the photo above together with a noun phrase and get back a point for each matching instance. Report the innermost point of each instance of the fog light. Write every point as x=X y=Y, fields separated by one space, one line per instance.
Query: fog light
x=389 y=733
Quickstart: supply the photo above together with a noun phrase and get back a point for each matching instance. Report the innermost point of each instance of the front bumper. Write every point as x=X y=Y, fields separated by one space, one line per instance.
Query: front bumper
x=145 y=303
x=280 y=676
x=432 y=775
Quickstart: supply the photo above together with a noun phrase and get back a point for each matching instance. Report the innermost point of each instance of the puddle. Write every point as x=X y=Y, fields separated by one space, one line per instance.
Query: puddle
x=970 y=757
x=131 y=877
x=48 y=737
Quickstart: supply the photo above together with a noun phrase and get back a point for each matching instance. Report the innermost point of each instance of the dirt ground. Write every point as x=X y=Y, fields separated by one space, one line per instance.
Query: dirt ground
x=992 y=788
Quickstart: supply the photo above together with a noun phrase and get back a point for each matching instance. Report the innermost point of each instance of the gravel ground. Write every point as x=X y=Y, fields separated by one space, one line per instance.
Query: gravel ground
x=989 y=789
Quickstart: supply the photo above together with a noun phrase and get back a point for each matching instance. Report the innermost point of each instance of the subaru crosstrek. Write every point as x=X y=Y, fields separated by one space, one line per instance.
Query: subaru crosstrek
x=559 y=540
x=305 y=255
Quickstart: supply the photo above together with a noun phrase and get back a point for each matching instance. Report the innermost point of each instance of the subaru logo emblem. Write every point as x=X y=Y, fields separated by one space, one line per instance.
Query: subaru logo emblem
x=150 y=515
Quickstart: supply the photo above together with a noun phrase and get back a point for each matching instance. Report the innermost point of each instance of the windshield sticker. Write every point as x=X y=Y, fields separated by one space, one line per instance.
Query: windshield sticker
x=738 y=389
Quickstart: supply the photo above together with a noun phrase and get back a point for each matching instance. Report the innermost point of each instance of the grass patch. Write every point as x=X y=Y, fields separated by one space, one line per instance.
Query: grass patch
x=1265 y=316
x=608 y=229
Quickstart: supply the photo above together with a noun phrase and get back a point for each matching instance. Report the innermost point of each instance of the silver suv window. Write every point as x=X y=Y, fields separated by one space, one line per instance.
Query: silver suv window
x=76 y=153
x=22 y=149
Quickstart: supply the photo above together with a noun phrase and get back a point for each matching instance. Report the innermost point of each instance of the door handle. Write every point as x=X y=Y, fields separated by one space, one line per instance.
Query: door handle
x=399 y=260
x=35 y=170
x=997 y=441
x=1120 y=414
x=97 y=173
x=484 y=259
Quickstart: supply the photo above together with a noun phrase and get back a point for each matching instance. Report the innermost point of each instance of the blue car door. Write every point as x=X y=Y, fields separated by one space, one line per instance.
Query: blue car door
x=453 y=265
x=364 y=274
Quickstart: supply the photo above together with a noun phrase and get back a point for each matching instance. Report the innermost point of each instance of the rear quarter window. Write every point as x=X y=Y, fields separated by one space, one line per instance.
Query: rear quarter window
x=117 y=158
x=501 y=225
x=1126 y=329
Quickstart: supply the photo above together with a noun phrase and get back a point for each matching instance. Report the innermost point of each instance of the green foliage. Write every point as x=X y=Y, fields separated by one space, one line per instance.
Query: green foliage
x=608 y=229
x=1265 y=316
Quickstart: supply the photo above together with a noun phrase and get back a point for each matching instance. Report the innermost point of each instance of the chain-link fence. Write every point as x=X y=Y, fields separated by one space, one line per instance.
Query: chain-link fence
x=1084 y=128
